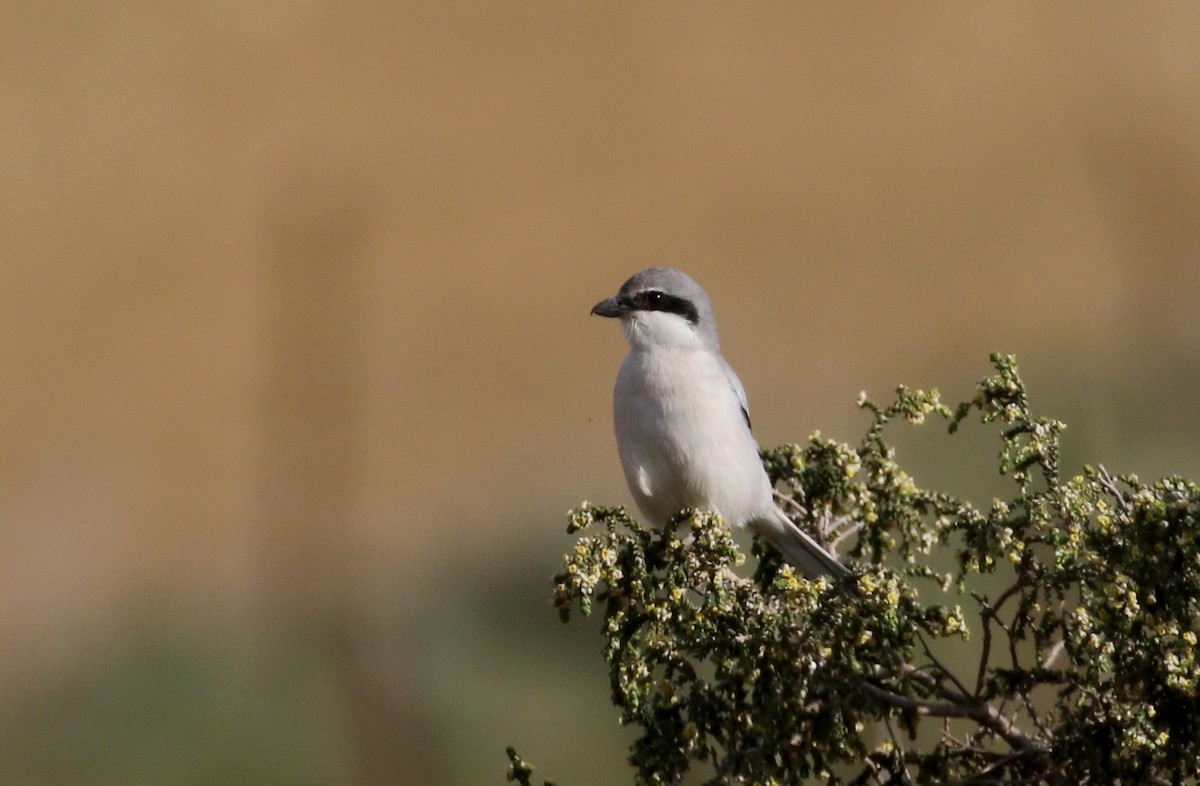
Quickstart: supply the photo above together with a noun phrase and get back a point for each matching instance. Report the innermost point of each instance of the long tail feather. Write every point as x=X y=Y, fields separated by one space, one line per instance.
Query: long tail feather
x=799 y=548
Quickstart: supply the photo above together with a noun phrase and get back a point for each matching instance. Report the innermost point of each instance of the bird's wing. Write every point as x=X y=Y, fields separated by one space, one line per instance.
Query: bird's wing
x=738 y=390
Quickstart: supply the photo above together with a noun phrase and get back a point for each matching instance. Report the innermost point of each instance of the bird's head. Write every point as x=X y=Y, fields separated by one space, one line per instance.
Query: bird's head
x=663 y=308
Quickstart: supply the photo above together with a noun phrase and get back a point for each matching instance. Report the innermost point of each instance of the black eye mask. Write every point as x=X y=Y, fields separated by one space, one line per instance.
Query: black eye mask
x=654 y=300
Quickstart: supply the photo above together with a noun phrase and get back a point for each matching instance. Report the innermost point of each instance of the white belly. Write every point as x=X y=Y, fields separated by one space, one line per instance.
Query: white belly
x=683 y=439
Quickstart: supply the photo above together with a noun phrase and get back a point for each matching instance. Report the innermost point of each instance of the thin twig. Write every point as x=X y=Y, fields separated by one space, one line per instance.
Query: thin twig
x=790 y=501
x=1032 y=712
x=996 y=766
x=987 y=613
x=942 y=667
x=958 y=705
x=853 y=529
x=1109 y=484
x=983 y=712
x=1056 y=650
x=985 y=656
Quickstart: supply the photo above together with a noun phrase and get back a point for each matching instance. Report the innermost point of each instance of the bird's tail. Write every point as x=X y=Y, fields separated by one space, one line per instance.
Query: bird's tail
x=798 y=547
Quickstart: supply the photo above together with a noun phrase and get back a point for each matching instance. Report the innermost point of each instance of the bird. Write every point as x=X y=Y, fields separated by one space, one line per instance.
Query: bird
x=682 y=422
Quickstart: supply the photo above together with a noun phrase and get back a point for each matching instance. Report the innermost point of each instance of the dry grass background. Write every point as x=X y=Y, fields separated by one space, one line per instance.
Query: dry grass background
x=297 y=372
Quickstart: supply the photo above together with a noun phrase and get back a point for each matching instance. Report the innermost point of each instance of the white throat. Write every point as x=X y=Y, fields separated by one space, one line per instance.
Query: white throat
x=647 y=330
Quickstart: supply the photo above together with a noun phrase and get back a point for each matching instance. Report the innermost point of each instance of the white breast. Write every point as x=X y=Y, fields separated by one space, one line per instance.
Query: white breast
x=683 y=438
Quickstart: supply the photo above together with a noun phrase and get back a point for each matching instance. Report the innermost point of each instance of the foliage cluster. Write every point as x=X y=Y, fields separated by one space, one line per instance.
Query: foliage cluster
x=1060 y=649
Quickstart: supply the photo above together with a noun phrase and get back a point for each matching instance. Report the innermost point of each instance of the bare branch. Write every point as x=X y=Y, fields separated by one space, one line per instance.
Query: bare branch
x=919 y=706
x=1109 y=484
x=1057 y=649
x=959 y=704
x=942 y=668
x=848 y=532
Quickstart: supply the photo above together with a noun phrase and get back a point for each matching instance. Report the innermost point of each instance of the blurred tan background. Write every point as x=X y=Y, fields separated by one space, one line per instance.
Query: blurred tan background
x=298 y=378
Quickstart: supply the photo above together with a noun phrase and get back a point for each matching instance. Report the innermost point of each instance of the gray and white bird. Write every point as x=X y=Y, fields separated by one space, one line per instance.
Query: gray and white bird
x=682 y=422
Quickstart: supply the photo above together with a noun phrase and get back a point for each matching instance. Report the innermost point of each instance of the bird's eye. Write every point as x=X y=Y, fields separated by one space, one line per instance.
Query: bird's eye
x=654 y=298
